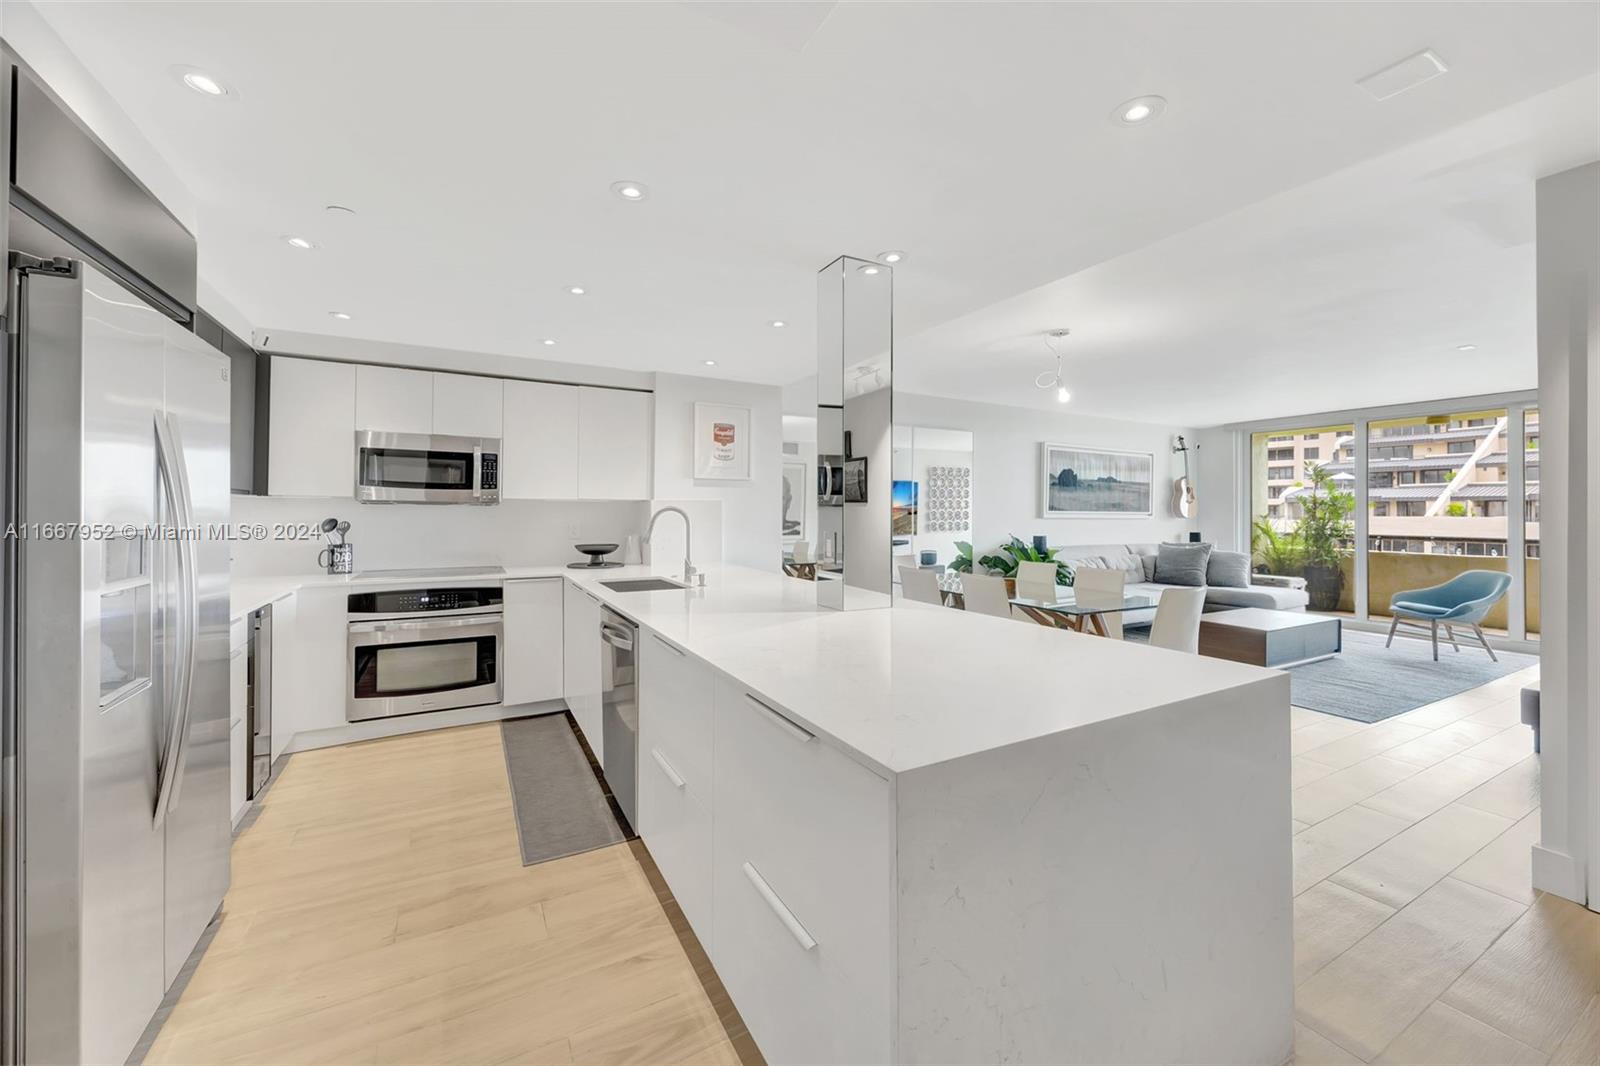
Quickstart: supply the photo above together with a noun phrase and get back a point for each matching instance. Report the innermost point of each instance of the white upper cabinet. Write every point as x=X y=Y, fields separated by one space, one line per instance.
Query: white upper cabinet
x=394 y=400
x=466 y=406
x=614 y=432
x=539 y=447
x=311 y=440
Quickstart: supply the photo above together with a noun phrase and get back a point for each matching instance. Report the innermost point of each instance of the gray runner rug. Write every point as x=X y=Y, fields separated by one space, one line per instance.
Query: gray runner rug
x=560 y=806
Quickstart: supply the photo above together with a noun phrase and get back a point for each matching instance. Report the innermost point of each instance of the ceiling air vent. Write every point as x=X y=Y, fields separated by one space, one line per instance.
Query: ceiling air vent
x=1406 y=74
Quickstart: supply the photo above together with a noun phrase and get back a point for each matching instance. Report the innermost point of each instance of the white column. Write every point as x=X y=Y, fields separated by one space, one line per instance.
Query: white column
x=1360 y=435
x=1568 y=210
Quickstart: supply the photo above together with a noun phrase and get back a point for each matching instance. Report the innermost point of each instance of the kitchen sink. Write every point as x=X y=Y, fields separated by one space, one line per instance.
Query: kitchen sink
x=644 y=584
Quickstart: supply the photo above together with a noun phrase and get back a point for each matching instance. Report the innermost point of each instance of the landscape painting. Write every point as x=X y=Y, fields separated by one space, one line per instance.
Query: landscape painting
x=1092 y=482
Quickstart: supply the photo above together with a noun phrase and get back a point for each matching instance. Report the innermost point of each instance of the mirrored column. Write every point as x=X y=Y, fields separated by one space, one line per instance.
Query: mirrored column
x=855 y=416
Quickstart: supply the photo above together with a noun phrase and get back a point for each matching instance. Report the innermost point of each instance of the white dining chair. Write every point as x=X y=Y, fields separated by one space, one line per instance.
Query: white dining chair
x=920 y=585
x=1037 y=581
x=801 y=551
x=985 y=594
x=1177 y=623
x=1100 y=587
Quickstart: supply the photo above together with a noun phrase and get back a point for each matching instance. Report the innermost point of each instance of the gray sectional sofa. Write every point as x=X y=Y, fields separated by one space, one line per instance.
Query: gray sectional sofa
x=1138 y=562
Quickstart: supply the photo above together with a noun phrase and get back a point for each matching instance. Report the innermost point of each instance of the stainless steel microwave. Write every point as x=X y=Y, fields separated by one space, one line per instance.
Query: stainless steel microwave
x=426 y=468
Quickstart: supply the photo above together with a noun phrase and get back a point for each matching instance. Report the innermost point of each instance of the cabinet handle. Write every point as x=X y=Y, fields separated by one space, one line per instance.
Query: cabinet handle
x=785 y=915
x=781 y=720
x=674 y=650
x=666 y=768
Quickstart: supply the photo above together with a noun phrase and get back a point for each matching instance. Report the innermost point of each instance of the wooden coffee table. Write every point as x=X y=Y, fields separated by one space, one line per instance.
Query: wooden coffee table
x=1264 y=637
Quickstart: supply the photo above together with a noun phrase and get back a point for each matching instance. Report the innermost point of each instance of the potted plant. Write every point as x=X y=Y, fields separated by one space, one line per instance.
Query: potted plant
x=1323 y=531
x=1003 y=562
x=1277 y=551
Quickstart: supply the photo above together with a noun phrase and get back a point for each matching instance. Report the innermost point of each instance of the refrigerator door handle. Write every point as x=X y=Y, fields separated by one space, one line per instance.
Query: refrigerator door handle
x=175 y=482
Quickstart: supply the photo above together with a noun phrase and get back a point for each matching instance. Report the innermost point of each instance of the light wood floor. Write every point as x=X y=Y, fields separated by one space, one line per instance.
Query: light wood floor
x=380 y=913
x=1418 y=936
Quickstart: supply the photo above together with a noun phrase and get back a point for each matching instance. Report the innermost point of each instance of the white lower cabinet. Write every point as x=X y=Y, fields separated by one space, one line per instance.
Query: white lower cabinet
x=581 y=653
x=238 y=770
x=534 y=635
x=780 y=850
x=675 y=766
x=803 y=888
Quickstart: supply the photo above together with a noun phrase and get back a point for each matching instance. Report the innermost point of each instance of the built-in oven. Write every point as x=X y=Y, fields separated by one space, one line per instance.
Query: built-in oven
x=423 y=649
x=426 y=468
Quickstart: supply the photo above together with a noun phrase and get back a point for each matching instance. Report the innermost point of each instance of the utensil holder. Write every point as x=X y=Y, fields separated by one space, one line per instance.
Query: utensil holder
x=338 y=558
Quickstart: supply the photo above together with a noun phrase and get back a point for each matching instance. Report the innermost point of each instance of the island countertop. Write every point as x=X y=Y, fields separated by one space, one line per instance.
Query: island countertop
x=900 y=688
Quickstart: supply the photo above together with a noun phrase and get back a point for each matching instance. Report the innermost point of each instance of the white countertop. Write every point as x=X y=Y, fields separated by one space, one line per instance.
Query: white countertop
x=900 y=688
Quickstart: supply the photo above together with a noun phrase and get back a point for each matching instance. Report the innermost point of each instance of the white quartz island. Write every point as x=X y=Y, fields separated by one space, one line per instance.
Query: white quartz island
x=917 y=835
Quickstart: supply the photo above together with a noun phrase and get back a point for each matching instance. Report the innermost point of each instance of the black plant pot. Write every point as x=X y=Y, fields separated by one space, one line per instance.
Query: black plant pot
x=1323 y=585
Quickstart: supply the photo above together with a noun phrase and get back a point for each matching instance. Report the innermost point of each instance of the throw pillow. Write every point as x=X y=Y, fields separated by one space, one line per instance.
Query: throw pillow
x=1182 y=564
x=1149 y=567
x=1228 y=570
x=1131 y=565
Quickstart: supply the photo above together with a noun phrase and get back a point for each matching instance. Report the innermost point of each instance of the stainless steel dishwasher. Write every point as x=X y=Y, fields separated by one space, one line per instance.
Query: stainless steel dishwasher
x=619 y=708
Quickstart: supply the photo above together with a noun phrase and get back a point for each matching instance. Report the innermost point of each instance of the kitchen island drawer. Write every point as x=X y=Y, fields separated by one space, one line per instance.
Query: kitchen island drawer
x=676 y=693
x=676 y=828
x=803 y=888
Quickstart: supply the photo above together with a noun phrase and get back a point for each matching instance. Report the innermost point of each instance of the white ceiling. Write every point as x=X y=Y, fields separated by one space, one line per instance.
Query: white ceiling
x=478 y=143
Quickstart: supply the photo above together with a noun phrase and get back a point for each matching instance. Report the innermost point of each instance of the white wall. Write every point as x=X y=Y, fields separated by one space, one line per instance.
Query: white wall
x=1005 y=469
x=742 y=520
x=404 y=536
x=801 y=430
x=1568 y=214
x=1221 y=492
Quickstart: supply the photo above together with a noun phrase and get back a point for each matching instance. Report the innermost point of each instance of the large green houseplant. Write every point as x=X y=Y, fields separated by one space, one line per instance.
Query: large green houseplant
x=1003 y=561
x=1323 y=531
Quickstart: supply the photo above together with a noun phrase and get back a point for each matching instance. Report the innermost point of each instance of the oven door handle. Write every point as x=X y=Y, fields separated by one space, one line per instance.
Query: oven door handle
x=431 y=623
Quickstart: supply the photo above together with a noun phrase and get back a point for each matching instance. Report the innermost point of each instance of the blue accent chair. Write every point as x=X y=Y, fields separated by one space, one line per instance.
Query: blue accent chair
x=1464 y=600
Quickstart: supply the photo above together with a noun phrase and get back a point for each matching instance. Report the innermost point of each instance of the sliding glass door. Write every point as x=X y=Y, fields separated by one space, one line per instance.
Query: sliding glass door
x=1404 y=499
x=1436 y=504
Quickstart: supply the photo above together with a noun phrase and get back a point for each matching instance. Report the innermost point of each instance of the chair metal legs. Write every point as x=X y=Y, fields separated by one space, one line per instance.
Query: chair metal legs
x=1434 y=629
x=1392 y=627
x=1450 y=631
x=1481 y=640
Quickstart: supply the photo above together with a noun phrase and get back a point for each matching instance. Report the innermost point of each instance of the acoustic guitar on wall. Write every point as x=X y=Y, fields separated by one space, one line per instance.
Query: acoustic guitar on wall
x=1183 y=499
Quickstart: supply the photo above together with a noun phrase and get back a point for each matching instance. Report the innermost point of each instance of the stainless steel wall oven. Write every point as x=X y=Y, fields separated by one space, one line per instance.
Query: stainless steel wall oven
x=423 y=649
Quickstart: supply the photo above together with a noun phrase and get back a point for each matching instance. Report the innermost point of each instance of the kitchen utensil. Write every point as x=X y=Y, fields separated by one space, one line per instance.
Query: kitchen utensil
x=328 y=526
x=342 y=528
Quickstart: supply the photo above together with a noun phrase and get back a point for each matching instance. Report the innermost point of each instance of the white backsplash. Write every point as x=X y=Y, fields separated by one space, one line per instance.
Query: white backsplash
x=396 y=536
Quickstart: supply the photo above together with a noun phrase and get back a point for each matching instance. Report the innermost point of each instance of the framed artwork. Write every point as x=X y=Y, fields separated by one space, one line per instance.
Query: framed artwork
x=855 y=480
x=794 y=501
x=721 y=442
x=903 y=507
x=1078 y=482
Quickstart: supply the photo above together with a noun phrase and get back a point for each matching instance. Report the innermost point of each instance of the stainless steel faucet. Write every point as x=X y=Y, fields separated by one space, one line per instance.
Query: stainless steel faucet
x=688 y=538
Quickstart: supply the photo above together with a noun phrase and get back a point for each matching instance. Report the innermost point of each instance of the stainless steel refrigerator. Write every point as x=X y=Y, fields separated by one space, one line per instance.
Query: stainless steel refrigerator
x=122 y=655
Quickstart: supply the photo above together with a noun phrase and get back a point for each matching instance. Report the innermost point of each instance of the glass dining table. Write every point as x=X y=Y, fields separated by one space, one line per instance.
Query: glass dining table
x=1084 y=614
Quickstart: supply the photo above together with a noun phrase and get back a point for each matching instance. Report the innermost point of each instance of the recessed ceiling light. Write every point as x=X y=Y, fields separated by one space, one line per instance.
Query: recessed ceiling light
x=710 y=362
x=868 y=269
x=298 y=242
x=547 y=342
x=1139 y=110
x=576 y=290
x=201 y=82
x=891 y=257
x=631 y=191
x=343 y=316
x=1466 y=347
x=778 y=323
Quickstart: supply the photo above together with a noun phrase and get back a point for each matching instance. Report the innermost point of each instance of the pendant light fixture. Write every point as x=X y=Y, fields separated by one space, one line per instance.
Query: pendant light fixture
x=1052 y=379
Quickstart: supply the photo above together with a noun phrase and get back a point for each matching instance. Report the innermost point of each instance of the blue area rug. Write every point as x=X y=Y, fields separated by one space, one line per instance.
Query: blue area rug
x=1367 y=682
